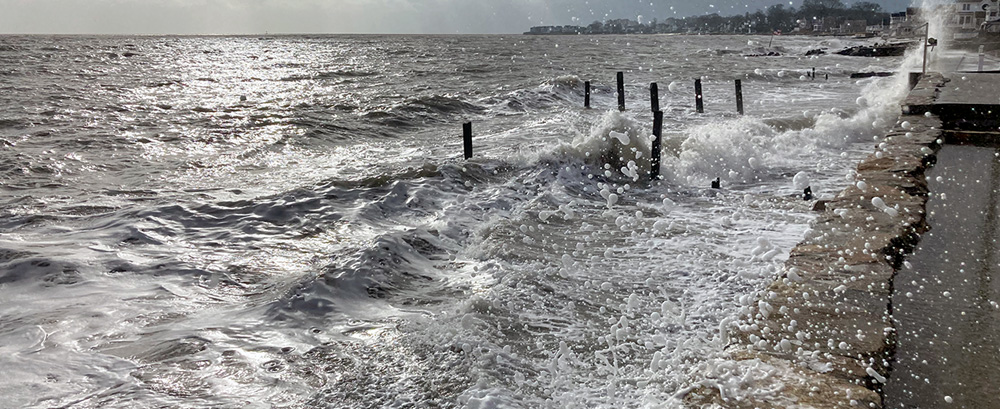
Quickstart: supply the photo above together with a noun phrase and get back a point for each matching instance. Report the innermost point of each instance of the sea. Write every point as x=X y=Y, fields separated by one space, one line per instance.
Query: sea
x=290 y=222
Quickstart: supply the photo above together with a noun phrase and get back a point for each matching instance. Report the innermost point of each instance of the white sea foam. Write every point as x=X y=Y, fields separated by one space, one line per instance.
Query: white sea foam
x=332 y=259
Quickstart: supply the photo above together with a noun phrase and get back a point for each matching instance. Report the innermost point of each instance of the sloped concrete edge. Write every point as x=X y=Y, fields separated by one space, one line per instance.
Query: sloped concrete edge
x=825 y=320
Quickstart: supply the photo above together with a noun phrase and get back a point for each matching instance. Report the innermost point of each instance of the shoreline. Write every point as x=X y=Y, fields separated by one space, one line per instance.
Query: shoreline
x=527 y=33
x=825 y=321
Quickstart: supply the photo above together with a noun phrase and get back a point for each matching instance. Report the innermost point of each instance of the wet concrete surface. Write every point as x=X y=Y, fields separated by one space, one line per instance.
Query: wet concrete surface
x=824 y=322
x=945 y=297
x=887 y=296
x=971 y=89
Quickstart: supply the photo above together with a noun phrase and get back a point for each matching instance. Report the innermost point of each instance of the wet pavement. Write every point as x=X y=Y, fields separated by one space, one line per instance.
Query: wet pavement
x=945 y=298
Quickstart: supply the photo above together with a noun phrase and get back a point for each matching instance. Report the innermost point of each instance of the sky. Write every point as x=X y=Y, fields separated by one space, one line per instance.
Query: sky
x=347 y=16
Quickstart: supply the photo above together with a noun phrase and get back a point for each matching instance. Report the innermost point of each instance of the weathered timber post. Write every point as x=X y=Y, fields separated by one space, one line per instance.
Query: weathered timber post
x=654 y=97
x=586 y=94
x=467 y=137
x=621 y=91
x=739 y=96
x=654 y=168
x=699 y=105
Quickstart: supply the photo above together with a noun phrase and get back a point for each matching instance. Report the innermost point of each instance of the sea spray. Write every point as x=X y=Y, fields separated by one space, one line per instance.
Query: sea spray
x=618 y=145
x=324 y=244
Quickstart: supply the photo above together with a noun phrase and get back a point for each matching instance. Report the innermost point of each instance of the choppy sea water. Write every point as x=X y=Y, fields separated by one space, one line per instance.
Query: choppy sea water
x=288 y=221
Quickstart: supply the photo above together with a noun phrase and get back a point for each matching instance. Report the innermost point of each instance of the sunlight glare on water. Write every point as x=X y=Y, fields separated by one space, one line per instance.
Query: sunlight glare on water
x=286 y=221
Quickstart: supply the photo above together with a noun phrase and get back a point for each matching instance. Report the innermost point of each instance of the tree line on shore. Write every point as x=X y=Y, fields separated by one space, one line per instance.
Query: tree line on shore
x=816 y=15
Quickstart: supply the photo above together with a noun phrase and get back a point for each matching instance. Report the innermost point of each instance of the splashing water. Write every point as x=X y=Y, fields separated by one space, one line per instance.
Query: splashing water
x=167 y=243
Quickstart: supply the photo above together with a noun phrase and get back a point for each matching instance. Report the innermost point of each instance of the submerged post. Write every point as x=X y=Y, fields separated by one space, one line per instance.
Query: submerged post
x=654 y=168
x=739 y=96
x=467 y=137
x=654 y=97
x=621 y=91
x=699 y=105
x=586 y=94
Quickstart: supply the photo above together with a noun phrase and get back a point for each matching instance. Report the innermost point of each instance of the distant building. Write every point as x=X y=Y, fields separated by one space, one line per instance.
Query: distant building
x=854 y=27
x=896 y=19
x=906 y=24
x=971 y=16
x=825 y=24
x=550 y=30
x=963 y=18
x=967 y=12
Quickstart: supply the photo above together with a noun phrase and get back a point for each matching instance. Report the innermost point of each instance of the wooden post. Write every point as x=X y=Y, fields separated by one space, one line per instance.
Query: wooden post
x=699 y=105
x=654 y=97
x=467 y=137
x=621 y=91
x=739 y=96
x=586 y=94
x=981 y=56
x=654 y=169
x=814 y=74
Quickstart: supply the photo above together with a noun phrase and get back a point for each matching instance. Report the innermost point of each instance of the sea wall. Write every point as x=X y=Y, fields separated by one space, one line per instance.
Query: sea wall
x=823 y=325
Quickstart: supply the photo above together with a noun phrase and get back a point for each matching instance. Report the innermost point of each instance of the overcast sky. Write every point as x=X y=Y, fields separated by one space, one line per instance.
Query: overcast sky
x=346 y=16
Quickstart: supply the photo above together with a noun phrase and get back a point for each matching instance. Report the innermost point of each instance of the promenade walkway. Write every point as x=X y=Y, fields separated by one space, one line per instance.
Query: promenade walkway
x=969 y=101
x=945 y=297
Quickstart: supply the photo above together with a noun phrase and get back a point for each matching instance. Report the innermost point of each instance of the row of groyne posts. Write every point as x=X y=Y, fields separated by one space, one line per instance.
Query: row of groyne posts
x=654 y=101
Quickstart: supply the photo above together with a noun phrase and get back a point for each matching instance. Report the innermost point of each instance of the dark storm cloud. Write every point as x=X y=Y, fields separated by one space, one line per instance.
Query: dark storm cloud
x=345 y=16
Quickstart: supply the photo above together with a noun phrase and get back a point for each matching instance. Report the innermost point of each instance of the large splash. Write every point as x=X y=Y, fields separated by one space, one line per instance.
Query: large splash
x=747 y=149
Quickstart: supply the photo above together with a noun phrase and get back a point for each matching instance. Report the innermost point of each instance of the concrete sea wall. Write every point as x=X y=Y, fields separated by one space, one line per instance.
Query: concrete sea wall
x=824 y=324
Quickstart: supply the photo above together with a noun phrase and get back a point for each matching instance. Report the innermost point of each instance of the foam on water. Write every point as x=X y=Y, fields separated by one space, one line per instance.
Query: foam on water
x=747 y=149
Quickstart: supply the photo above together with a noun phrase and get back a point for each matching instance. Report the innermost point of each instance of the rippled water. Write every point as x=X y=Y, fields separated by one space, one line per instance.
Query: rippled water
x=287 y=221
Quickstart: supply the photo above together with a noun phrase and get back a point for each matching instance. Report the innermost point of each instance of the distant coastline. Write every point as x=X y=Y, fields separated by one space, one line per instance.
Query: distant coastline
x=815 y=17
x=679 y=26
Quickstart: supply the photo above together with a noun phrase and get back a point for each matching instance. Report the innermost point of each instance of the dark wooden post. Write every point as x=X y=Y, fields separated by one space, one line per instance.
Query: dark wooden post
x=654 y=169
x=467 y=137
x=739 y=96
x=621 y=91
x=814 y=74
x=586 y=94
x=654 y=97
x=698 y=97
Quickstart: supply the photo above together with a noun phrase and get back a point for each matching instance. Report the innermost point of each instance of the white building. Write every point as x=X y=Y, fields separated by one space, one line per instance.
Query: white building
x=971 y=15
x=906 y=24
